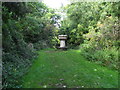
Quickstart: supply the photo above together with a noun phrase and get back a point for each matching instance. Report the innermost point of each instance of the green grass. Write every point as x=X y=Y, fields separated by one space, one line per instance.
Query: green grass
x=60 y=69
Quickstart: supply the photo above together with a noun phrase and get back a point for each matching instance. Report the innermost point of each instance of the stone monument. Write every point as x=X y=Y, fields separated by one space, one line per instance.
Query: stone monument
x=62 y=39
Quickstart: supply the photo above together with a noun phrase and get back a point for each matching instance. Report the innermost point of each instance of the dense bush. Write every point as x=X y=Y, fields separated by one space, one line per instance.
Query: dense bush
x=95 y=28
x=102 y=46
x=13 y=69
x=17 y=56
x=107 y=57
x=24 y=31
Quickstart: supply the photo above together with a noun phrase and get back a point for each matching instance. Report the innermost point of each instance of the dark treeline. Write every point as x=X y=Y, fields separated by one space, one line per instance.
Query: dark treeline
x=27 y=27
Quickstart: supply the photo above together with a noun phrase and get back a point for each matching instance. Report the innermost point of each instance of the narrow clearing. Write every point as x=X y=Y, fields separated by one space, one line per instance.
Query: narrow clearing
x=68 y=69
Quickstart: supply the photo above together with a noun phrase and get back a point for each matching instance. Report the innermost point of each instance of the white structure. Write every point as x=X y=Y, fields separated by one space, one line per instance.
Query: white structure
x=62 y=43
x=62 y=39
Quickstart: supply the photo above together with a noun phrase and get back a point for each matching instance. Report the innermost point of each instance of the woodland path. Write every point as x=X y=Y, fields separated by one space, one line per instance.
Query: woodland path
x=68 y=69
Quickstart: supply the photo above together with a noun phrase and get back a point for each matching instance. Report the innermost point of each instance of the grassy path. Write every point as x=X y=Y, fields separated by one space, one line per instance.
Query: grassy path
x=61 y=69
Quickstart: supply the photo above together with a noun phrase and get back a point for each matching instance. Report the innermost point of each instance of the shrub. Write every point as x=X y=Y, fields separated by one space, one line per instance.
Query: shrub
x=106 y=56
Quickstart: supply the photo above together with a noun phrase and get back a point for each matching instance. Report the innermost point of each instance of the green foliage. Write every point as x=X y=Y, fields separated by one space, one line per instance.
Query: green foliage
x=40 y=26
x=84 y=17
x=26 y=27
x=101 y=46
x=16 y=10
x=107 y=57
x=94 y=27
x=79 y=17
x=17 y=56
